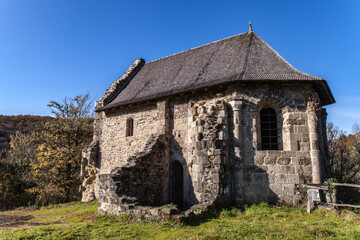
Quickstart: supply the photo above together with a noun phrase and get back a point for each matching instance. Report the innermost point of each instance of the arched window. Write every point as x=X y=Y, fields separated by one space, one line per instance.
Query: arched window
x=269 y=129
x=129 y=127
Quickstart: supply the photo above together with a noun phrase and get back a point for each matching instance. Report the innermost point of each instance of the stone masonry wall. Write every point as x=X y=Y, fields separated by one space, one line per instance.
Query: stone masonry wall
x=89 y=172
x=208 y=161
x=215 y=135
x=178 y=119
x=115 y=146
x=273 y=175
x=256 y=175
x=140 y=182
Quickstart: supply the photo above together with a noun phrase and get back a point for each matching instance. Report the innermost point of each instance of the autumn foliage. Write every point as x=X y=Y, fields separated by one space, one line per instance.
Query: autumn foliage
x=344 y=153
x=9 y=125
x=44 y=167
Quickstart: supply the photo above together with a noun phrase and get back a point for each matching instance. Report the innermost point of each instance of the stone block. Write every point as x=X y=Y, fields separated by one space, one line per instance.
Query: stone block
x=307 y=170
x=304 y=161
x=280 y=178
x=295 y=121
x=288 y=189
x=201 y=110
x=270 y=160
x=199 y=137
x=238 y=176
x=183 y=133
x=215 y=178
x=249 y=198
x=303 y=115
x=260 y=154
x=221 y=135
x=210 y=151
x=261 y=197
x=247 y=177
x=292 y=178
x=258 y=177
x=283 y=160
x=217 y=159
x=259 y=160
x=275 y=188
x=258 y=189
x=196 y=177
x=305 y=154
x=198 y=153
x=202 y=160
x=221 y=120
x=274 y=153
x=305 y=137
x=271 y=178
x=197 y=168
x=287 y=169
x=274 y=169
x=286 y=199
x=290 y=153
x=263 y=168
x=217 y=151
x=303 y=130
x=198 y=186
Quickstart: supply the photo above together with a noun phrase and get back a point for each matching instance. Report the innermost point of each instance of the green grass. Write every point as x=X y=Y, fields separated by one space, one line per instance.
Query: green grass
x=261 y=221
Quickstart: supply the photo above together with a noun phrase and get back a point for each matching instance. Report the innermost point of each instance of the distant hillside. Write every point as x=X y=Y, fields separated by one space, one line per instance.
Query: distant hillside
x=23 y=123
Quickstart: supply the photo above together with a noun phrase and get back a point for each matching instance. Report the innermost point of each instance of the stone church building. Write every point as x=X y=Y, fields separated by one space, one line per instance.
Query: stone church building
x=229 y=122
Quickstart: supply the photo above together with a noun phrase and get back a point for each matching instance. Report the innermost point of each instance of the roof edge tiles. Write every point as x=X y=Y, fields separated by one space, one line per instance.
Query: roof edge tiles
x=243 y=57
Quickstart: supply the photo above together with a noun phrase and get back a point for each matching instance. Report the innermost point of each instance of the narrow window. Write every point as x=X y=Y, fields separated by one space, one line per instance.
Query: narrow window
x=129 y=127
x=269 y=129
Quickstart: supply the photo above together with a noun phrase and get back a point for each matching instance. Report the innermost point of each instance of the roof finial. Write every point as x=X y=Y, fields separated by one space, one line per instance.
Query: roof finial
x=250 y=27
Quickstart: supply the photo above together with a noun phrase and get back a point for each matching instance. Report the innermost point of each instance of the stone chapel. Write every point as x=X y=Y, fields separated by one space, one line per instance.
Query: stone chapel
x=229 y=122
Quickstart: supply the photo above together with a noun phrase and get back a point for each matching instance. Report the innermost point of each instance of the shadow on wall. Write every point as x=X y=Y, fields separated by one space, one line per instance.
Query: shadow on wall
x=141 y=181
x=249 y=183
x=229 y=176
x=181 y=189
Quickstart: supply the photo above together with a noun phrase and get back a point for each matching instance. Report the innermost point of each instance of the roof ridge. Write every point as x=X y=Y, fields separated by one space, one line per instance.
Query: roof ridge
x=283 y=59
x=245 y=65
x=197 y=47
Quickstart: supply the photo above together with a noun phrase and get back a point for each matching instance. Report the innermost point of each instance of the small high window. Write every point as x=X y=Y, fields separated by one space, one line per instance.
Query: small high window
x=129 y=127
x=269 y=129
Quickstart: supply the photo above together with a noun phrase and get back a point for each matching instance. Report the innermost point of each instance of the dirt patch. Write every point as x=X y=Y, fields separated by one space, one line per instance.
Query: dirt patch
x=9 y=221
x=12 y=221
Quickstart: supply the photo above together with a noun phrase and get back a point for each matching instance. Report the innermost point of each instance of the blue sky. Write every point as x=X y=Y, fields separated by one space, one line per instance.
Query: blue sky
x=50 y=49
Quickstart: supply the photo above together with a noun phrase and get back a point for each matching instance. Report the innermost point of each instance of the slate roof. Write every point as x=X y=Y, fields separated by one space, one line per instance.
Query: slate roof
x=243 y=57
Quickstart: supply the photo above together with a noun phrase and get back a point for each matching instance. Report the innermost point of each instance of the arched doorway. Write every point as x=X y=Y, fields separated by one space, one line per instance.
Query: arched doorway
x=177 y=184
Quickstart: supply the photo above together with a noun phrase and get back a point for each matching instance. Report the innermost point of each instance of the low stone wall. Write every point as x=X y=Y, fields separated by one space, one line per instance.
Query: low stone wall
x=140 y=182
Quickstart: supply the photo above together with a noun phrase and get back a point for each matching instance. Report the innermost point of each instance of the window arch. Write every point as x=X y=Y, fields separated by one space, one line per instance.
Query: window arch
x=129 y=127
x=269 y=129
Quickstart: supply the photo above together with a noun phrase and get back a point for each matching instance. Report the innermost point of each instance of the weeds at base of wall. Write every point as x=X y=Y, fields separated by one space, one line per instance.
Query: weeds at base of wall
x=331 y=188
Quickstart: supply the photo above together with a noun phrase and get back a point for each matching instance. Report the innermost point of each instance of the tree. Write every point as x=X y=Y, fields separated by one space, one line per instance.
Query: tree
x=56 y=170
x=15 y=178
x=344 y=152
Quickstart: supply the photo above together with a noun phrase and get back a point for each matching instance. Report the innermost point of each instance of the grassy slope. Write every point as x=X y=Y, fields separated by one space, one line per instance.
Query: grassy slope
x=79 y=221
